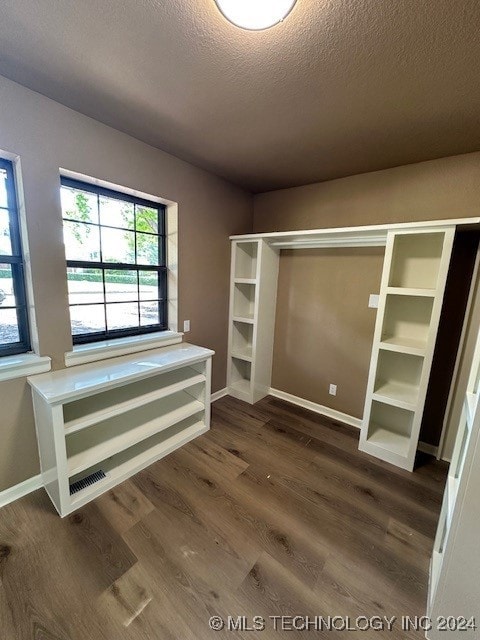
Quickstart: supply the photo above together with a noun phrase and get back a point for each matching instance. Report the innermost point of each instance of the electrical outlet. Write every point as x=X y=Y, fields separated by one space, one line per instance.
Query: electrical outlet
x=333 y=390
x=186 y=326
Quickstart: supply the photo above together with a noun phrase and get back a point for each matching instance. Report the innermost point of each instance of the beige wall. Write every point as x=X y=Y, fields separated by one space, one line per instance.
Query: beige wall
x=324 y=329
x=47 y=136
x=440 y=189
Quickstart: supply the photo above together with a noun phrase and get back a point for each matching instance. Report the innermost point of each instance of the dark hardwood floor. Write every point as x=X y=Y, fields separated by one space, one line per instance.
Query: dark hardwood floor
x=273 y=512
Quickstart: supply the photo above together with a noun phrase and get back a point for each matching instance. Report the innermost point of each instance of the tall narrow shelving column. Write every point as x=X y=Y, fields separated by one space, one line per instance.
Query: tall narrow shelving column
x=253 y=294
x=411 y=296
x=455 y=564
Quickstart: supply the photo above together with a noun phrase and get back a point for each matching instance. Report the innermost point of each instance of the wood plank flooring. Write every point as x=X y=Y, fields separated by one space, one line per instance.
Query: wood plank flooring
x=274 y=512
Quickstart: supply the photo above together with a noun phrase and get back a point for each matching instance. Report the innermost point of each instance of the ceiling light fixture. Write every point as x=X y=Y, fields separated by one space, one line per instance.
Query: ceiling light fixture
x=255 y=15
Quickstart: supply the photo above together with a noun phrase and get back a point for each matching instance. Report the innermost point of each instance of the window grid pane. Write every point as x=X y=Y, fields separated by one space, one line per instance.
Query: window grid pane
x=116 y=267
x=14 y=333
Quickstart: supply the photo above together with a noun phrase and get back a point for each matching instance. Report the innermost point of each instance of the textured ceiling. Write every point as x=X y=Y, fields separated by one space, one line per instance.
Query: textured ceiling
x=340 y=87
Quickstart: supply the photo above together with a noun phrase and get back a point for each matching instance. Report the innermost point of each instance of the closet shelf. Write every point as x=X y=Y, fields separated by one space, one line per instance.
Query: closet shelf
x=244 y=354
x=391 y=441
x=85 y=413
x=408 y=291
x=404 y=345
x=371 y=235
x=124 y=464
x=127 y=430
x=404 y=396
x=244 y=319
x=471 y=400
x=245 y=281
x=241 y=387
x=452 y=496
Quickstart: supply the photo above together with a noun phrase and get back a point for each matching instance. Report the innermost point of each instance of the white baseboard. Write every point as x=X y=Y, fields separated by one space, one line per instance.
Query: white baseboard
x=317 y=408
x=430 y=449
x=219 y=394
x=19 y=490
x=32 y=484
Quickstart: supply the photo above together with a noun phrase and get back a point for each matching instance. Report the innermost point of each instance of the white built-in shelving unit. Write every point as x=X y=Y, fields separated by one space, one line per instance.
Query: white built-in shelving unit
x=455 y=563
x=416 y=264
x=97 y=424
x=411 y=297
x=253 y=291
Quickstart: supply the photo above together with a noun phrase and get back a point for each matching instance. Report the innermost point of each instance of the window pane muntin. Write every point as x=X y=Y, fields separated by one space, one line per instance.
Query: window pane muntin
x=148 y=285
x=121 y=285
x=79 y=205
x=147 y=220
x=149 y=313
x=82 y=241
x=118 y=245
x=85 y=286
x=122 y=315
x=157 y=270
x=86 y=319
x=116 y=213
x=147 y=249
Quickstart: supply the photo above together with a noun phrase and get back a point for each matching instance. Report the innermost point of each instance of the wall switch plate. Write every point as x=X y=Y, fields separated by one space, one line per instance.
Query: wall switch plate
x=186 y=326
x=333 y=390
x=373 y=301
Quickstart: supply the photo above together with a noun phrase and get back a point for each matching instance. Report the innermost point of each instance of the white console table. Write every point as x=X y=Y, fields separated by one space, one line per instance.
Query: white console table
x=98 y=424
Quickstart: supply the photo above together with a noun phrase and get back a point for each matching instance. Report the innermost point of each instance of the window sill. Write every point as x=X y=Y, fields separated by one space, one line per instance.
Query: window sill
x=84 y=353
x=25 y=364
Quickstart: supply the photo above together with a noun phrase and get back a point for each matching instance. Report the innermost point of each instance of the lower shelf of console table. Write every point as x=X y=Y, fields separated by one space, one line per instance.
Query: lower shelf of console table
x=98 y=424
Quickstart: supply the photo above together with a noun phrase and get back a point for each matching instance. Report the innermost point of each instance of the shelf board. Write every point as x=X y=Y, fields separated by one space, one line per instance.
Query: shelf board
x=404 y=345
x=245 y=281
x=471 y=400
x=241 y=389
x=407 y=291
x=90 y=411
x=390 y=440
x=436 y=564
x=243 y=354
x=244 y=319
x=452 y=496
x=347 y=234
x=127 y=463
x=88 y=447
x=84 y=380
x=400 y=395
x=241 y=385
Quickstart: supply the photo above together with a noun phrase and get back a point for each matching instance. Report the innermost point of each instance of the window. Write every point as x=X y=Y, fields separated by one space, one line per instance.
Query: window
x=116 y=262
x=14 y=334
